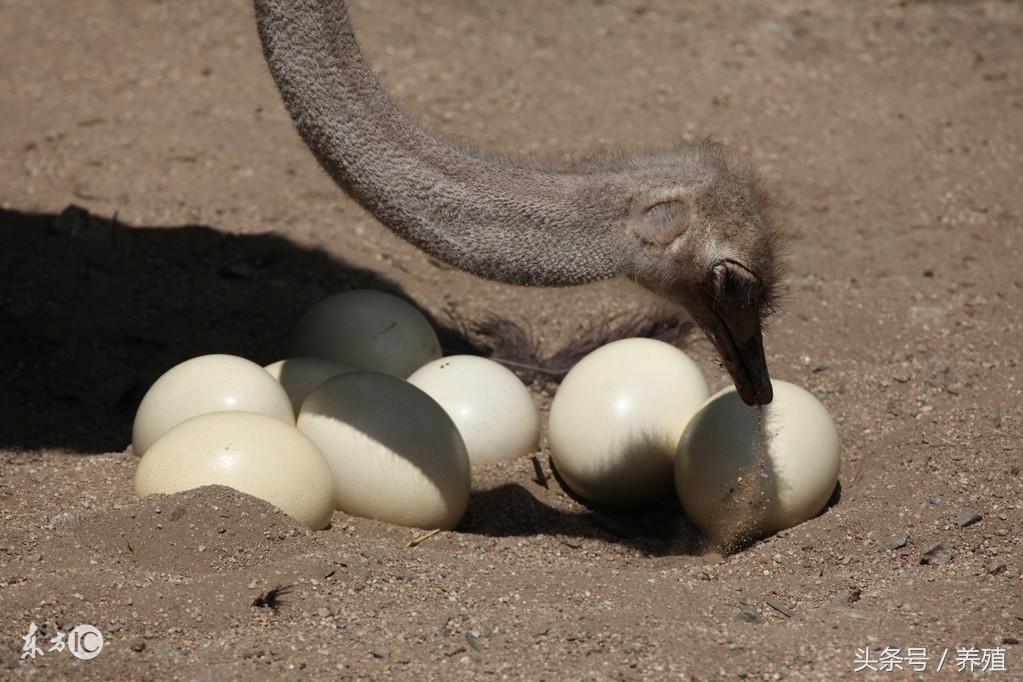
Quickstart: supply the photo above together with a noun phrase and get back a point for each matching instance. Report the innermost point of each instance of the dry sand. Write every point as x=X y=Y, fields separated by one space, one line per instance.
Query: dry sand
x=892 y=133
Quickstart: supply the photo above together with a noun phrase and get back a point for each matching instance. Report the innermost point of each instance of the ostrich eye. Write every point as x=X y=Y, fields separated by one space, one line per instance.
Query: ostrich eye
x=666 y=215
x=663 y=222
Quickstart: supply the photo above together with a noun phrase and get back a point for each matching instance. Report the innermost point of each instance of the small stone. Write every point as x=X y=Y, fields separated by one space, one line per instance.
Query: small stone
x=936 y=555
x=967 y=516
x=323 y=612
x=936 y=499
x=381 y=652
x=751 y=615
x=997 y=567
x=848 y=597
x=139 y=645
x=897 y=541
x=1014 y=470
x=68 y=519
x=34 y=557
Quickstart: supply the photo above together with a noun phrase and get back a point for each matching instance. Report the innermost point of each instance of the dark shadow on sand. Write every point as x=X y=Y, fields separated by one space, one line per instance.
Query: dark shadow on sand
x=514 y=510
x=93 y=311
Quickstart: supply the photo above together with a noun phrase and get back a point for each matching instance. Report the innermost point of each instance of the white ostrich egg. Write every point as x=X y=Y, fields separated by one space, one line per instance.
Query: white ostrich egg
x=301 y=376
x=252 y=453
x=617 y=417
x=394 y=453
x=492 y=409
x=208 y=383
x=742 y=471
x=368 y=330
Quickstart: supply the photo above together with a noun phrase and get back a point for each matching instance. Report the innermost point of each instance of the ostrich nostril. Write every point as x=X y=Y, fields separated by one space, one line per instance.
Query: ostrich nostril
x=732 y=280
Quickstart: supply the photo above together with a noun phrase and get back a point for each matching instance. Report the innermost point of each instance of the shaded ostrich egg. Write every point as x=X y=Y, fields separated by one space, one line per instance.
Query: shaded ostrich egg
x=208 y=383
x=395 y=455
x=368 y=330
x=252 y=453
x=301 y=376
x=492 y=409
x=617 y=417
x=744 y=471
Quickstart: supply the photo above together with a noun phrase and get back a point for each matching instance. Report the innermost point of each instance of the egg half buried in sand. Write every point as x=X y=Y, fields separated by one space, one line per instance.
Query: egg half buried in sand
x=252 y=453
x=368 y=330
x=395 y=455
x=208 y=383
x=742 y=472
x=492 y=409
x=617 y=417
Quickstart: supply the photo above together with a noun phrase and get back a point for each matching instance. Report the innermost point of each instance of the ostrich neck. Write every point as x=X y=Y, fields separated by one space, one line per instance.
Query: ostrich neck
x=496 y=219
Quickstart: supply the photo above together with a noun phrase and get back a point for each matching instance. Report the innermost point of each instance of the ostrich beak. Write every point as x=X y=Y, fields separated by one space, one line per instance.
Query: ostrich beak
x=744 y=359
x=737 y=334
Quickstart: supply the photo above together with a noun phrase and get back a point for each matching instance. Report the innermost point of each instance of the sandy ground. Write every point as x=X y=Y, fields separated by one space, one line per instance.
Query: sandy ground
x=892 y=134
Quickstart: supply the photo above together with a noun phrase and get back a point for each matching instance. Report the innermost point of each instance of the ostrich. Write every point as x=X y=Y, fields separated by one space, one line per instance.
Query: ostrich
x=690 y=223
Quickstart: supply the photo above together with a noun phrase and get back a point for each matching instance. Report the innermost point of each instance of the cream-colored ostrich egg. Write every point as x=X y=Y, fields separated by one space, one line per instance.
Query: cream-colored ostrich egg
x=395 y=454
x=743 y=471
x=492 y=409
x=255 y=454
x=617 y=417
x=208 y=383
x=368 y=330
x=301 y=376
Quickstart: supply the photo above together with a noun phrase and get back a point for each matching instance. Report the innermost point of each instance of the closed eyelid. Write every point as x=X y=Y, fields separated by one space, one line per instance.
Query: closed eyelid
x=666 y=214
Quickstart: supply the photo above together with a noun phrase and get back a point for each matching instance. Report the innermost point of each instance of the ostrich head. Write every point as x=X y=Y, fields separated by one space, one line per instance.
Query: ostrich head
x=700 y=235
x=690 y=224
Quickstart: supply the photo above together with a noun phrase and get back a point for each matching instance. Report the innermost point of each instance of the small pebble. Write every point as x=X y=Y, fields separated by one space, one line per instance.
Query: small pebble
x=935 y=499
x=68 y=519
x=936 y=555
x=381 y=652
x=848 y=597
x=897 y=541
x=996 y=567
x=967 y=516
x=751 y=615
